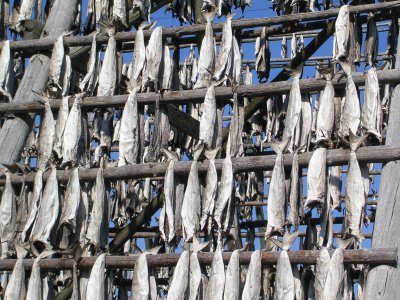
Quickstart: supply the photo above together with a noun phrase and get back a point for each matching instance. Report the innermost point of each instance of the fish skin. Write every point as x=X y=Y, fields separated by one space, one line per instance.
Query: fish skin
x=210 y=192
x=225 y=50
x=306 y=123
x=232 y=277
x=72 y=134
x=8 y=215
x=371 y=41
x=34 y=291
x=277 y=192
x=342 y=33
x=316 y=179
x=169 y=200
x=225 y=190
x=56 y=66
x=47 y=133
x=178 y=286
x=47 y=214
x=263 y=57
x=194 y=277
x=154 y=53
x=97 y=232
x=26 y=10
x=108 y=72
x=335 y=186
x=237 y=63
x=129 y=132
x=294 y=196
x=235 y=140
x=334 y=278
x=357 y=38
x=119 y=11
x=208 y=119
x=62 y=118
x=90 y=79
x=16 y=288
x=371 y=115
x=298 y=285
x=106 y=130
x=326 y=108
x=166 y=72
x=6 y=71
x=284 y=281
x=351 y=112
x=69 y=212
x=252 y=287
x=140 y=279
x=217 y=277
x=321 y=273
x=96 y=282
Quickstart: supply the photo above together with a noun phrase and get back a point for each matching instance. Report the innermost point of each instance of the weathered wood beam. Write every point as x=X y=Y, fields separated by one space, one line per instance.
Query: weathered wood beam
x=243 y=164
x=14 y=132
x=362 y=256
x=221 y=93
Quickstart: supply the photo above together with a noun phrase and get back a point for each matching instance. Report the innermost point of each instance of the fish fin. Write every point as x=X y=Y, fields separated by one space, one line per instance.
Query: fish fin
x=172 y=155
x=197 y=246
x=278 y=243
x=198 y=150
x=356 y=141
x=211 y=154
x=297 y=72
x=278 y=147
x=326 y=72
x=21 y=251
x=40 y=97
x=344 y=243
x=146 y=26
x=155 y=250
x=289 y=238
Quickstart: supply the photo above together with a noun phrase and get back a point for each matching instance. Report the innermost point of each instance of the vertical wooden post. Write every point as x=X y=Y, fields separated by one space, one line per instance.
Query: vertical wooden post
x=383 y=281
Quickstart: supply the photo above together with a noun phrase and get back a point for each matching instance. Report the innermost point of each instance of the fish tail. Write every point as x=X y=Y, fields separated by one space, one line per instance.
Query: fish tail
x=40 y=97
x=297 y=72
x=289 y=238
x=209 y=14
x=278 y=147
x=326 y=72
x=356 y=141
x=344 y=243
x=211 y=154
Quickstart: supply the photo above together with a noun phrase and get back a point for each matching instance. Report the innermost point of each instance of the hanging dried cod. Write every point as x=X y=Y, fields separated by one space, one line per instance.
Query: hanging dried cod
x=335 y=187
x=62 y=117
x=232 y=277
x=191 y=207
x=225 y=190
x=371 y=41
x=294 y=197
x=108 y=72
x=180 y=279
x=217 y=277
x=252 y=287
x=277 y=192
x=263 y=56
x=144 y=6
x=350 y=115
x=342 y=33
x=120 y=11
x=90 y=80
x=195 y=275
x=26 y=10
x=8 y=214
x=334 y=276
x=72 y=134
x=154 y=54
x=316 y=179
x=35 y=289
x=371 y=115
x=208 y=130
x=96 y=283
x=182 y=9
x=206 y=64
x=6 y=71
x=57 y=67
x=16 y=288
x=326 y=107
x=355 y=198
x=225 y=52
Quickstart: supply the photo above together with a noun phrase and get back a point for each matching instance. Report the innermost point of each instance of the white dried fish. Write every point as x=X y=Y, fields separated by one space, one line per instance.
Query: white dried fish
x=342 y=33
x=242 y=4
x=180 y=279
x=263 y=57
x=284 y=281
x=154 y=54
x=232 y=277
x=371 y=115
x=144 y=7
x=237 y=63
x=335 y=186
x=16 y=288
x=217 y=277
x=350 y=115
x=26 y=10
x=355 y=198
x=91 y=77
x=108 y=72
x=326 y=107
x=357 y=26
x=68 y=219
x=166 y=72
x=140 y=279
x=34 y=291
x=210 y=192
x=8 y=214
x=195 y=276
x=208 y=119
x=129 y=132
x=192 y=202
x=97 y=232
x=225 y=190
x=6 y=71
x=294 y=196
x=168 y=208
x=316 y=179
x=225 y=51
x=277 y=192
x=47 y=215
x=72 y=134
x=298 y=285
x=252 y=287
x=96 y=283
x=371 y=41
x=62 y=118
x=321 y=273
x=119 y=11
x=334 y=278
x=56 y=67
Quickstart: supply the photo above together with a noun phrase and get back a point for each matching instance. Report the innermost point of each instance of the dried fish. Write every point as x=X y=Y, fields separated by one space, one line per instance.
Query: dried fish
x=96 y=283
x=62 y=118
x=321 y=273
x=89 y=82
x=236 y=63
x=335 y=186
x=72 y=134
x=6 y=71
x=263 y=57
x=16 y=288
x=26 y=10
x=357 y=27
x=68 y=219
x=180 y=279
x=34 y=291
x=326 y=107
x=277 y=192
x=97 y=232
x=129 y=132
x=211 y=189
x=242 y=4
x=225 y=52
x=15 y=25
x=355 y=199
x=371 y=41
x=208 y=130
x=140 y=279
x=166 y=71
x=108 y=72
x=342 y=33
x=225 y=190
x=294 y=196
x=232 y=277
x=350 y=115
x=144 y=7
x=8 y=214
x=191 y=207
x=47 y=215
x=298 y=285
x=154 y=54
x=284 y=47
x=224 y=7
x=56 y=67
x=371 y=115
x=334 y=278
x=217 y=277
x=120 y=12
x=252 y=287
x=316 y=179
x=195 y=276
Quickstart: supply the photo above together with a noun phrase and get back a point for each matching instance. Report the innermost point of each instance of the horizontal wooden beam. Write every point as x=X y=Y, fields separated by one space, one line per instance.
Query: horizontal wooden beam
x=221 y=93
x=73 y=41
x=371 y=154
x=363 y=256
